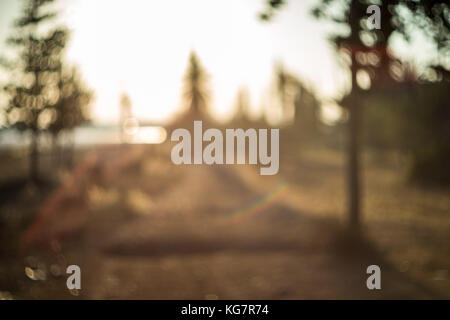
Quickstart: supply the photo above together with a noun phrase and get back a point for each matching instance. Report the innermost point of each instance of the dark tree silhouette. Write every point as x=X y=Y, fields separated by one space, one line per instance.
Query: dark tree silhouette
x=195 y=92
x=432 y=17
x=35 y=89
x=125 y=116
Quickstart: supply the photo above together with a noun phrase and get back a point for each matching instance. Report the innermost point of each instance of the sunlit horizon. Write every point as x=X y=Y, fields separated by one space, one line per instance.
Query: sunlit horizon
x=142 y=48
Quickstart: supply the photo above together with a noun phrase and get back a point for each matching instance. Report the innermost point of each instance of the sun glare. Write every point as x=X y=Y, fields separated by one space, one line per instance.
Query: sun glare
x=142 y=47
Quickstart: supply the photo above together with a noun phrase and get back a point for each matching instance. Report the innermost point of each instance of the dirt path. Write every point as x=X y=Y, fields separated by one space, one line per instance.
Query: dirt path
x=157 y=231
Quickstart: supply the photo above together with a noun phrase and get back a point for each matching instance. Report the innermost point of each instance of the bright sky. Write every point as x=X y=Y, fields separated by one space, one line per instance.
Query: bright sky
x=142 y=47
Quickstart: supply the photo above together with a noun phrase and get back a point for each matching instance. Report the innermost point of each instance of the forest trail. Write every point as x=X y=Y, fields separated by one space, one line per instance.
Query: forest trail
x=150 y=230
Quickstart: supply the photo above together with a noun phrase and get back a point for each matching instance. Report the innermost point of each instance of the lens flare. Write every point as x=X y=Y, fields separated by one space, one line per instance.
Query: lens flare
x=257 y=207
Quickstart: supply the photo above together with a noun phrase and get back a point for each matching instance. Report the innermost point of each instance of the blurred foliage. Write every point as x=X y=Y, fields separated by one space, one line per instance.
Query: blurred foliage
x=404 y=109
x=71 y=109
x=35 y=88
x=43 y=93
x=401 y=110
x=269 y=11
x=427 y=126
x=306 y=106
x=432 y=17
x=196 y=92
x=415 y=120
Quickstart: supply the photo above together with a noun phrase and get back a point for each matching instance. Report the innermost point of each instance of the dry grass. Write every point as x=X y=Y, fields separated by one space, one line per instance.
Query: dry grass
x=148 y=229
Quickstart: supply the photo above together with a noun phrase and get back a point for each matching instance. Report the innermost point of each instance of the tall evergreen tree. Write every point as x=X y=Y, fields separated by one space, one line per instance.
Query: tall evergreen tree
x=195 y=87
x=39 y=60
x=432 y=17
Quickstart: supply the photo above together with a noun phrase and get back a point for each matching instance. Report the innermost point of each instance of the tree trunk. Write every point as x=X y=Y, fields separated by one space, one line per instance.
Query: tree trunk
x=353 y=152
x=34 y=157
